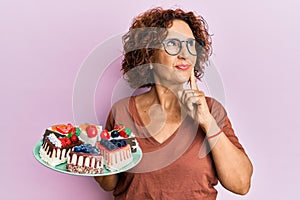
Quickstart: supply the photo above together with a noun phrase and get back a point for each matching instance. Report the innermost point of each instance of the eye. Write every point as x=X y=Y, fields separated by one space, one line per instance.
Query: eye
x=191 y=42
x=171 y=43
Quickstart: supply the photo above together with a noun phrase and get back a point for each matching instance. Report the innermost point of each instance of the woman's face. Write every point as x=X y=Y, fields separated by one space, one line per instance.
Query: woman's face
x=175 y=69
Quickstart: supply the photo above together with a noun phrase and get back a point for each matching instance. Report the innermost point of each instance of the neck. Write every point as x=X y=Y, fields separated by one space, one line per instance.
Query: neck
x=166 y=97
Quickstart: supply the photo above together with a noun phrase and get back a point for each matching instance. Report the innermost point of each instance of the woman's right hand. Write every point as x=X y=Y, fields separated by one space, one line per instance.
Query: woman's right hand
x=195 y=103
x=108 y=183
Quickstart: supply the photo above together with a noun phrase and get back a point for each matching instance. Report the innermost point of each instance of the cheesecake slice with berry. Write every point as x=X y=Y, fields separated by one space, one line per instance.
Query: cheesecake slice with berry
x=116 y=154
x=89 y=133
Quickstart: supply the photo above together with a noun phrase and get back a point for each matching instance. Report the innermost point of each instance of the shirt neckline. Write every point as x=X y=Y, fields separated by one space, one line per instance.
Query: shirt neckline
x=137 y=119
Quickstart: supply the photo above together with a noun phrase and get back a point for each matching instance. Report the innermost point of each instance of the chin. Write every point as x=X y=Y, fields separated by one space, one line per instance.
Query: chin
x=182 y=78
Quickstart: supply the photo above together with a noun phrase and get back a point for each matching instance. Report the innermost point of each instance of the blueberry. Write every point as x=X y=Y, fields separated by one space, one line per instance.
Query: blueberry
x=114 y=134
x=113 y=141
x=85 y=150
x=77 y=148
x=107 y=143
x=103 y=142
x=119 y=144
x=111 y=146
x=124 y=143
x=94 y=150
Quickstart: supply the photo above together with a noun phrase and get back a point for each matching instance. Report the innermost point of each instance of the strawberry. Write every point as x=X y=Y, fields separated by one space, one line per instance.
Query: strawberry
x=91 y=131
x=70 y=128
x=65 y=129
x=104 y=134
x=62 y=129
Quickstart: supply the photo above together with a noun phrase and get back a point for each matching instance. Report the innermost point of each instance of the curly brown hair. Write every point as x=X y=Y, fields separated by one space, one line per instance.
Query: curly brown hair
x=145 y=36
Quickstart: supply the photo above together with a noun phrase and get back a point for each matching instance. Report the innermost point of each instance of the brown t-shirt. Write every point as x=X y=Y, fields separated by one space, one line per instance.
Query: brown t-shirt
x=174 y=169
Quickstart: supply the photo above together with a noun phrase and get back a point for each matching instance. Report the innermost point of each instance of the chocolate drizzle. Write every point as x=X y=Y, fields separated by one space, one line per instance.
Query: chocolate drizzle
x=51 y=148
x=94 y=162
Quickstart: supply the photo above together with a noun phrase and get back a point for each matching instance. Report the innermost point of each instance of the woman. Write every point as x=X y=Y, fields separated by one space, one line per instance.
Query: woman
x=187 y=140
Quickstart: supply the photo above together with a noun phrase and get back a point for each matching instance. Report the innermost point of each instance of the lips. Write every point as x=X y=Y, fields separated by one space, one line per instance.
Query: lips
x=183 y=67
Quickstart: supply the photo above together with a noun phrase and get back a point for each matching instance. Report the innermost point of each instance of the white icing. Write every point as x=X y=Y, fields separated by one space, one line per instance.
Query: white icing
x=93 y=161
x=122 y=138
x=87 y=162
x=74 y=159
x=54 y=140
x=63 y=152
x=82 y=161
x=51 y=160
x=117 y=159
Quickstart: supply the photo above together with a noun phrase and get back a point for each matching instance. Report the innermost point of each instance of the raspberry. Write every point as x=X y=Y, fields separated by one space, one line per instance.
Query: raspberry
x=123 y=134
x=74 y=138
x=63 y=142
x=67 y=141
x=118 y=127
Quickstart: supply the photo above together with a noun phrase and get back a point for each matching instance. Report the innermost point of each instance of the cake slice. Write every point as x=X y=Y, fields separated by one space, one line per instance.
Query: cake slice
x=90 y=133
x=54 y=150
x=119 y=134
x=85 y=159
x=57 y=145
x=116 y=156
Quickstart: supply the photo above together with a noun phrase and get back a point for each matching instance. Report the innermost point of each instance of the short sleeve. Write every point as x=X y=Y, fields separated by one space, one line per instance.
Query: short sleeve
x=220 y=115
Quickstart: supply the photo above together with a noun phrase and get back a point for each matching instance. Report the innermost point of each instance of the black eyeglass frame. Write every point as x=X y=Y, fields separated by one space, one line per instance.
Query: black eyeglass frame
x=201 y=43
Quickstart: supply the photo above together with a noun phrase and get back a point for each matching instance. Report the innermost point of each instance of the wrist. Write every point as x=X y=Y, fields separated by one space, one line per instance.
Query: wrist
x=208 y=124
x=212 y=129
x=214 y=135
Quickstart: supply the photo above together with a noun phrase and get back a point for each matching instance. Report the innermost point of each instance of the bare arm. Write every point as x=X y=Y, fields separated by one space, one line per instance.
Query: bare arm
x=233 y=166
x=108 y=183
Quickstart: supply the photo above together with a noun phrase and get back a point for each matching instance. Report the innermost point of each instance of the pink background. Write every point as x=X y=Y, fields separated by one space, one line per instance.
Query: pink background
x=43 y=44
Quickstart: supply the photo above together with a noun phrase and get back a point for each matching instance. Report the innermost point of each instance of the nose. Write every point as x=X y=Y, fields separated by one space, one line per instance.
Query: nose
x=184 y=51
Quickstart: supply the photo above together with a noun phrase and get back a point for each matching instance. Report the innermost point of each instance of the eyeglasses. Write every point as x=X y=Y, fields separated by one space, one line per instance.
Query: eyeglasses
x=173 y=46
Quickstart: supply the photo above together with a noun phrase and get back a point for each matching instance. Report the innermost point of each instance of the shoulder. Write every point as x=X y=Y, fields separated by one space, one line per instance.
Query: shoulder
x=122 y=103
x=214 y=104
x=124 y=108
x=119 y=112
x=217 y=110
